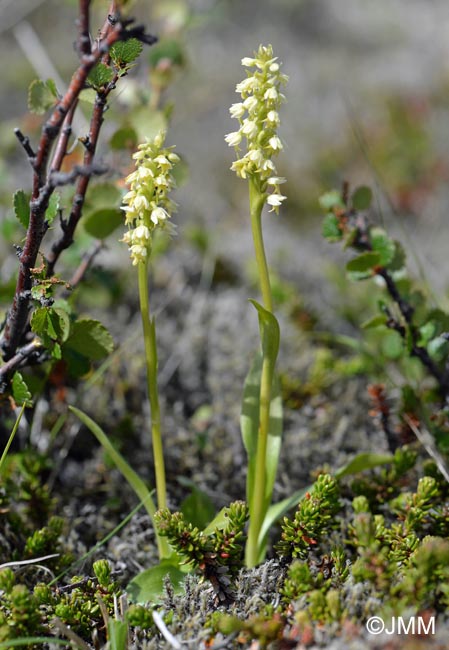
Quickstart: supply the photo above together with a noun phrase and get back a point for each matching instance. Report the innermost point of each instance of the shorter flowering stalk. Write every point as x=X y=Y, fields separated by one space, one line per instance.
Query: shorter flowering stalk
x=258 y=119
x=147 y=208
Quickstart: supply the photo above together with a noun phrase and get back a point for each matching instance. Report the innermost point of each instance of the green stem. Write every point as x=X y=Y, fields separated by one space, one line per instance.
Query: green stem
x=259 y=500
x=256 y=203
x=149 y=335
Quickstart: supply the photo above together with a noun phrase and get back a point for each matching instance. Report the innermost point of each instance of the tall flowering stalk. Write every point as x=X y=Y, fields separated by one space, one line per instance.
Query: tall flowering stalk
x=147 y=208
x=258 y=119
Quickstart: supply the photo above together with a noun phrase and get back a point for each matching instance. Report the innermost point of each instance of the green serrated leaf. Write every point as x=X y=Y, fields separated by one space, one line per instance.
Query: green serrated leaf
x=148 y=586
x=330 y=200
x=363 y=263
x=39 y=320
x=20 y=391
x=362 y=198
x=51 y=85
x=383 y=245
x=100 y=76
x=21 y=207
x=53 y=207
x=90 y=338
x=331 y=228
x=103 y=222
x=125 y=52
x=40 y=96
x=375 y=321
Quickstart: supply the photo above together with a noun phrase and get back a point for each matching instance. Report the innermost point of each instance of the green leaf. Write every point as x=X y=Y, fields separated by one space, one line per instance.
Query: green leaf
x=375 y=321
x=383 y=245
x=398 y=261
x=362 y=198
x=117 y=634
x=198 y=508
x=438 y=348
x=21 y=207
x=134 y=480
x=53 y=207
x=124 y=138
x=363 y=263
x=88 y=95
x=361 y=462
x=30 y=641
x=123 y=53
x=278 y=510
x=148 y=586
x=20 y=391
x=148 y=123
x=249 y=424
x=50 y=324
x=41 y=96
x=103 y=222
x=392 y=345
x=100 y=76
x=331 y=228
x=91 y=339
x=331 y=200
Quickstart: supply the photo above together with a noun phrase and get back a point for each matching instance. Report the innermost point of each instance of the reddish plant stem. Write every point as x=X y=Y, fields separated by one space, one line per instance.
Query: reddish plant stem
x=66 y=132
x=42 y=189
x=83 y=28
x=68 y=228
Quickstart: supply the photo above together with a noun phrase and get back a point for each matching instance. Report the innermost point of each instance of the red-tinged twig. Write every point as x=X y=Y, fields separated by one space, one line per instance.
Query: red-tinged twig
x=63 y=141
x=44 y=183
x=84 y=45
x=68 y=228
x=85 y=264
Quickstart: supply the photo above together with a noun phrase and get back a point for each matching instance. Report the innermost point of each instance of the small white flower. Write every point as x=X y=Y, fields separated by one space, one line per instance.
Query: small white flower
x=275 y=143
x=233 y=139
x=276 y=180
x=129 y=196
x=159 y=214
x=161 y=180
x=256 y=156
x=275 y=200
x=237 y=110
x=273 y=117
x=271 y=94
x=163 y=162
x=173 y=157
x=141 y=234
x=246 y=86
x=251 y=103
x=144 y=173
x=274 y=67
x=138 y=253
x=250 y=128
x=141 y=203
x=248 y=62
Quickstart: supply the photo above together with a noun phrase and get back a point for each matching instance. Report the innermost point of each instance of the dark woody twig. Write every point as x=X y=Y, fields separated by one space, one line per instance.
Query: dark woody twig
x=63 y=141
x=86 y=262
x=43 y=185
x=19 y=359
